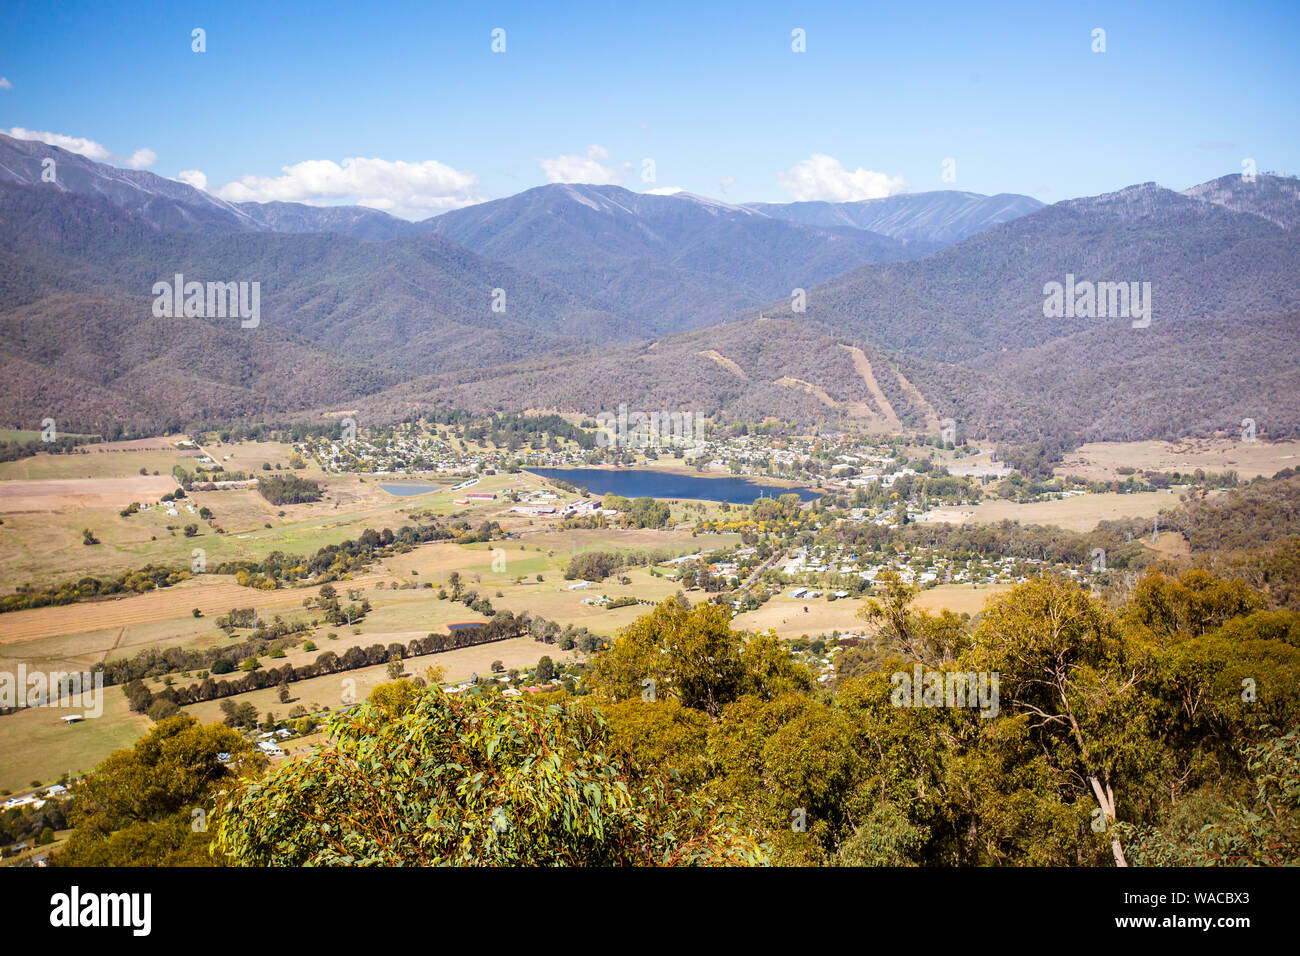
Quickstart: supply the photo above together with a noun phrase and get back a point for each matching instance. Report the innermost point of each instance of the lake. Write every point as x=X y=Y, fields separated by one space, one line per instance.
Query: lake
x=408 y=488
x=645 y=483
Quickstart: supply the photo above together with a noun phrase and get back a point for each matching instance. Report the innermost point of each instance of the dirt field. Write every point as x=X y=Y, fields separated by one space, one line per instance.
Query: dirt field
x=213 y=594
x=69 y=494
x=1101 y=461
x=1078 y=513
x=787 y=617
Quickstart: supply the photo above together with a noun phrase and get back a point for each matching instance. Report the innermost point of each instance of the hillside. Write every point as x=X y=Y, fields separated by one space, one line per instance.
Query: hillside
x=943 y=217
x=986 y=294
x=339 y=317
x=667 y=262
x=177 y=205
x=604 y=289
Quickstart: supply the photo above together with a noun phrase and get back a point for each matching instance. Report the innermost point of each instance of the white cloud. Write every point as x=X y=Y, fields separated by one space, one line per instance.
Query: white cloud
x=193 y=177
x=726 y=181
x=73 y=144
x=142 y=159
x=584 y=169
x=5 y=84
x=404 y=189
x=822 y=177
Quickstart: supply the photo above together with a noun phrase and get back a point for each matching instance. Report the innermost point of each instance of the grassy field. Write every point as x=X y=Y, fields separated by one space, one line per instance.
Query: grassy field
x=119 y=459
x=788 y=617
x=1078 y=513
x=41 y=538
x=37 y=745
x=1101 y=461
x=78 y=635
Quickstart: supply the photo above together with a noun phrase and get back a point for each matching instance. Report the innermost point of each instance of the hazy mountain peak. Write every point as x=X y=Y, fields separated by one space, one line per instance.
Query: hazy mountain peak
x=942 y=216
x=172 y=204
x=165 y=202
x=1275 y=198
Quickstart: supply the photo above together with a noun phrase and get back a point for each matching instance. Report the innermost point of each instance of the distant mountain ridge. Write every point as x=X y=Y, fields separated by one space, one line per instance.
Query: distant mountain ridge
x=660 y=263
x=609 y=296
x=941 y=217
x=925 y=219
x=962 y=334
x=667 y=261
x=176 y=205
x=1275 y=198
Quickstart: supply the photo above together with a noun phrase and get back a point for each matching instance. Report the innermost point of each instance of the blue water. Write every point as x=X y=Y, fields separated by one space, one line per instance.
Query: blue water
x=643 y=483
x=408 y=488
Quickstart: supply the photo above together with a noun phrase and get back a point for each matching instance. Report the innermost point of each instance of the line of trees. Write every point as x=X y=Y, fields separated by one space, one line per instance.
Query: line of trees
x=164 y=703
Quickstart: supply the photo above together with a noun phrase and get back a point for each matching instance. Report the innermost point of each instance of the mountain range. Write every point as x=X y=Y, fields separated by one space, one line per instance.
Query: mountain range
x=894 y=313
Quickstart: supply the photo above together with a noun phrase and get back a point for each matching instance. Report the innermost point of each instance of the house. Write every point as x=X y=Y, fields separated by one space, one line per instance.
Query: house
x=57 y=790
x=72 y=718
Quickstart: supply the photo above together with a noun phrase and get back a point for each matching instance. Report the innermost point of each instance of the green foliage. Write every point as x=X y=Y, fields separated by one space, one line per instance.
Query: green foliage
x=885 y=838
x=472 y=781
x=694 y=656
x=288 y=489
x=1263 y=830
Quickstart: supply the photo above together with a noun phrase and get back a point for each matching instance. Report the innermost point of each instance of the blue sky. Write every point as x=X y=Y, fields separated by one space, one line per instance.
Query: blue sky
x=712 y=93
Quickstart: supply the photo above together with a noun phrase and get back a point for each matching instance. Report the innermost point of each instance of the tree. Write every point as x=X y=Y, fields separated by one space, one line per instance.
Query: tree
x=545 y=670
x=393 y=699
x=1064 y=663
x=1261 y=831
x=458 y=781
x=694 y=656
x=162 y=708
x=919 y=636
x=136 y=808
x=886 y=838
